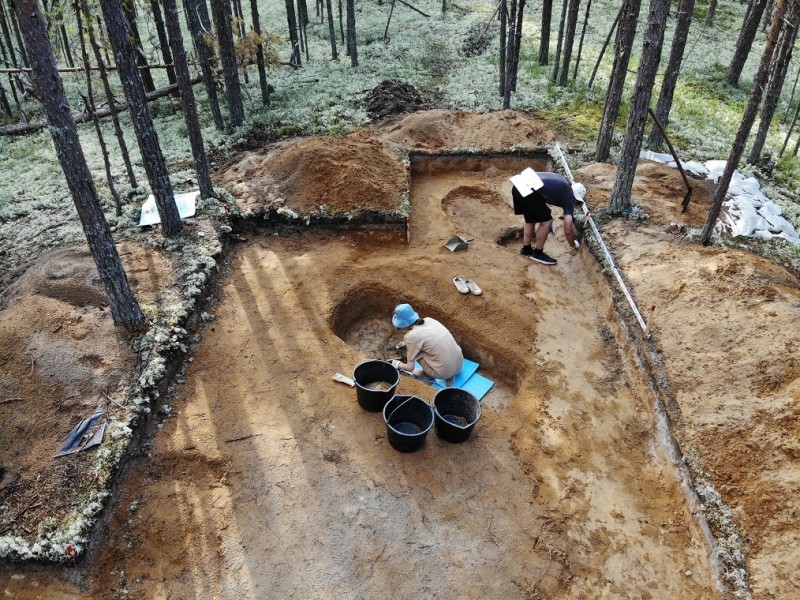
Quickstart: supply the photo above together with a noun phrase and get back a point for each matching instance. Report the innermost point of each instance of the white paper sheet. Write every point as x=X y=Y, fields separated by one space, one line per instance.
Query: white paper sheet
x=186 y=208
x=527 y=181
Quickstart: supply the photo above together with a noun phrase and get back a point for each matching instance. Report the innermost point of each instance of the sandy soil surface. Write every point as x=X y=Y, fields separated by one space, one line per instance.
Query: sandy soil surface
x=269 y=480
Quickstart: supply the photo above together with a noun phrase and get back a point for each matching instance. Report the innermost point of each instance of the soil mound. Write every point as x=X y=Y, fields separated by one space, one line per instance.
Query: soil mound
x=658 y=188
x=341 y=174
x=70 y=275
x=61 y=357
x=454 y=129
x=391 y=97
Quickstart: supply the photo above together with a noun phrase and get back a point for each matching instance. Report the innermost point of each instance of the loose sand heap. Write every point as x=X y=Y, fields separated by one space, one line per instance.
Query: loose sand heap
x=269 y=479
x=347 y=174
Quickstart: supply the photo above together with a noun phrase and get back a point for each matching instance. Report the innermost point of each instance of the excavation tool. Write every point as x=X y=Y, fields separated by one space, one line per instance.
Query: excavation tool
x=688 y=195
x=456 y=243
x=602 y=244
x=342 y=379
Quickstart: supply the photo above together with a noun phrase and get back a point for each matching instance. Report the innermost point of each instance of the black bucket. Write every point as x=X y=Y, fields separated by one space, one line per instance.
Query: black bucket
x=408 y=420
x=456 y=411
x=371 y=372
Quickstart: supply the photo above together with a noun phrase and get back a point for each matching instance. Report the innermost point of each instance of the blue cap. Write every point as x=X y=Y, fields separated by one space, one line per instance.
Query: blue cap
x=404 y=316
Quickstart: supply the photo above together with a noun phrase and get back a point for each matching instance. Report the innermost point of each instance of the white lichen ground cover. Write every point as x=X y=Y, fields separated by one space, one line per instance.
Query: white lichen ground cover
x=36 y=211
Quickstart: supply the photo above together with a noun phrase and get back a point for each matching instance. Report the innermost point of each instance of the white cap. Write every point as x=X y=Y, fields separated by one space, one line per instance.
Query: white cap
x=579 y=191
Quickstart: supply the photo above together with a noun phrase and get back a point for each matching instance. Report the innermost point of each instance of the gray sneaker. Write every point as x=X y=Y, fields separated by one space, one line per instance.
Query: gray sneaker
x=540 y=256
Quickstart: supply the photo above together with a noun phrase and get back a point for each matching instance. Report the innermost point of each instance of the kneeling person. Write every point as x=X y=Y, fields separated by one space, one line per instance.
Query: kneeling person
x=429 y=343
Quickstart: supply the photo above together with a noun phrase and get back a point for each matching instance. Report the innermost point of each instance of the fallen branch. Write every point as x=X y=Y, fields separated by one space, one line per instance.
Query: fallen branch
x=13 y=70
x=30 y=505
x=9 y=400
x=26 y=128
x=414 y=8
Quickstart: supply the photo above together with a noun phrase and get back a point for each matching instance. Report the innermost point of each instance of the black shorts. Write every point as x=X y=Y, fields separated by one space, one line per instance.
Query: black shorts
x=532 y=207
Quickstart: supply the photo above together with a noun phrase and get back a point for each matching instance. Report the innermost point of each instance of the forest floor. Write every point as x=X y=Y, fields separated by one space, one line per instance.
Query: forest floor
x=262 y=477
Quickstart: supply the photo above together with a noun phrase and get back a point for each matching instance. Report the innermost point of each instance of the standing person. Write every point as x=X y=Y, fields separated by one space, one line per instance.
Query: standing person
x=545 y=189
x=429 y=343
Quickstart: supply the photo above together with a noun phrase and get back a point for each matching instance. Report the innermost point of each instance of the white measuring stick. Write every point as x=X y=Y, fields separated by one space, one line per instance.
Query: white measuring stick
x=606 y=253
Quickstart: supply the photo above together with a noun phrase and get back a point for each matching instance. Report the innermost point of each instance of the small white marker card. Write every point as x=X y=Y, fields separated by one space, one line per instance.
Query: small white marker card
x=186 y=208
x=527 y=182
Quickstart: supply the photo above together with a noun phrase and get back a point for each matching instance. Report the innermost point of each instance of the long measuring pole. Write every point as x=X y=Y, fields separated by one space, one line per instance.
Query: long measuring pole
x=606 y=253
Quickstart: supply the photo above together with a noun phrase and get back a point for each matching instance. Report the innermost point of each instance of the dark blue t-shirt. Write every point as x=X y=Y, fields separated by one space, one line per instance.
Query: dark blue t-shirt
x=556 y=191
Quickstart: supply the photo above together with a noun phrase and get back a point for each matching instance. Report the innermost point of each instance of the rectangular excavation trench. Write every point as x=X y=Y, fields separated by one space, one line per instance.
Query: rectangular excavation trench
x=270 y=480
x=565 y=492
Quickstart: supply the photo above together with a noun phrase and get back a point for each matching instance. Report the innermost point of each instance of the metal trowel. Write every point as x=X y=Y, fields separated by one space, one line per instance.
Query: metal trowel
x=457 y=243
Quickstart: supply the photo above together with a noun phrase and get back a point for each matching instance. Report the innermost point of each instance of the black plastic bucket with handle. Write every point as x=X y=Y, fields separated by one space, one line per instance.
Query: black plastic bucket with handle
x=376 y=381
x=456 y=412
x=408 y=420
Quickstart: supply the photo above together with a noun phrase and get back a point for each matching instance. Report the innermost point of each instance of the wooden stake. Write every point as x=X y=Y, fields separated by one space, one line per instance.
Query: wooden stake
x=649 y=316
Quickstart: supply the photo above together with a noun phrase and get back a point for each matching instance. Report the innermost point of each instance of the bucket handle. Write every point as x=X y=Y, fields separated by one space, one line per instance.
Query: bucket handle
x=398 y=407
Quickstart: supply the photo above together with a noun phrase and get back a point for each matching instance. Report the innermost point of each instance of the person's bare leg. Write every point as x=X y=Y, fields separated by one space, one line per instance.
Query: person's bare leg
x=542 y=233
x=527 y=233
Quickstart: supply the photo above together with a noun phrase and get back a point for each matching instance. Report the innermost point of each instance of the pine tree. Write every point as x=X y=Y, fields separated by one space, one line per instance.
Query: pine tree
x=146 y=135
x=637 y=115
x=125 y=309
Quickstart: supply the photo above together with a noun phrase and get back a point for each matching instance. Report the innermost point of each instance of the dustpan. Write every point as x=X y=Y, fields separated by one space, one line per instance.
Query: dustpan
x=456 y=243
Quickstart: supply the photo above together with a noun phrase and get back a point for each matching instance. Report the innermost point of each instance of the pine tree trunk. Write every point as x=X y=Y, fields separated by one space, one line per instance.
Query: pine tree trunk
x=4 y=100
x=125 y=309
x=341 y=28
x=745 y=40
x=664 y=104
x=238 y=14
x=123 y=147
x=778 y=71
x=645 y=78
x=767 y=14
x=580 y=43
x=737 y=149
x=712 y=9
x=220 y=10
x=129 y=10
x=187 y=99
x=302 y=13
x=331 y=31
x=517 y=45
x=15 y=29
x=351 y=32
x=62 y=32
x=791 y=98
x=198 y=21
x=11 y=54
x=569 y=40
x=262 y=70
x=163 y=41
x=560 y=40
x=791 y=129
x=294 y=33
x=503 y=45
x=544 y=43
x=7 y=36
x=146 y=135
x=625 y=35
x=505 y=75
x=90 y=106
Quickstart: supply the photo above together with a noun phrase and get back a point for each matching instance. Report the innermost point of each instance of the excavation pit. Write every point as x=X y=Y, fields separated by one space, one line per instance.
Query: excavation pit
x=266 y=460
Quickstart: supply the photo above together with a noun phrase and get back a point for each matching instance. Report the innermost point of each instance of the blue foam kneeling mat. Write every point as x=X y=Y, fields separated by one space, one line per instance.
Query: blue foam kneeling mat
x=468 y=380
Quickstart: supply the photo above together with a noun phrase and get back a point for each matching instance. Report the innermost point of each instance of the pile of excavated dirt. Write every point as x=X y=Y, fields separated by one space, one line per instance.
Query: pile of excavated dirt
x=270 y=480
x=335 y=174
x=61 y=358
x=391 y=97
x=435 y=129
